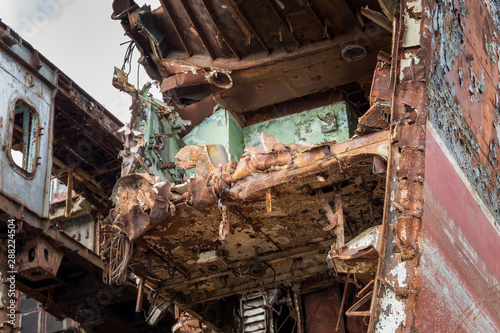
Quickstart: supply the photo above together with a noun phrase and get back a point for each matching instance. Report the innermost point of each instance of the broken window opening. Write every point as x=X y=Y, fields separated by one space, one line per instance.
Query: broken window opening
x=24 y=140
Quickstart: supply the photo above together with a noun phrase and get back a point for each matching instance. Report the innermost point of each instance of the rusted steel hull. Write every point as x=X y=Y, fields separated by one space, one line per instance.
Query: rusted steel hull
x=460 y=270
x=460 y=290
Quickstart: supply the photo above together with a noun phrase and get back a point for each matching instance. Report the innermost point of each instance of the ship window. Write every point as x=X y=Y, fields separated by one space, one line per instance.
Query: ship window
x=23 y=147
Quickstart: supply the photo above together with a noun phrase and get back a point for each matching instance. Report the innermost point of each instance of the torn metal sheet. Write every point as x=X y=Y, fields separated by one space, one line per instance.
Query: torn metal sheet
x=186 y=323
x=373 y=120
x=230 y=202
x=359 y=255
x=133 y=196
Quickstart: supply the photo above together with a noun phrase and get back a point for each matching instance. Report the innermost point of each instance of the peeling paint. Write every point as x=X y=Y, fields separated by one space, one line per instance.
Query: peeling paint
x=452 y=119
x=400 y=275
x=306 y=127
x=407 y=61
x=393 y=313
x=220 y=128
x=412 y=20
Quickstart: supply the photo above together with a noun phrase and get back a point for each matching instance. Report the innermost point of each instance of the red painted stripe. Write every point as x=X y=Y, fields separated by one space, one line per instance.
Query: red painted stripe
x=460 y=290
x=451 y=192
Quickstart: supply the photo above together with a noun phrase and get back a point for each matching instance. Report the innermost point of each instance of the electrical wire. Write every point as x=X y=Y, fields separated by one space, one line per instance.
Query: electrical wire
x=127 y=59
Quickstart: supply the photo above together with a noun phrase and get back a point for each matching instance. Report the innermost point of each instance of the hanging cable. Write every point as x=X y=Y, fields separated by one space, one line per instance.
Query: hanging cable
x=127 y=59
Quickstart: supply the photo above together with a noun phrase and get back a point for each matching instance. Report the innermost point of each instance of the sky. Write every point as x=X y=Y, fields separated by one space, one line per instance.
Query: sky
x=81 y=39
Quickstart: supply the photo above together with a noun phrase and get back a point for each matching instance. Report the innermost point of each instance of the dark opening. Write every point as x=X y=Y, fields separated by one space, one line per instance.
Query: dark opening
x=46 y=255
x=23 y=148
x=31 y=254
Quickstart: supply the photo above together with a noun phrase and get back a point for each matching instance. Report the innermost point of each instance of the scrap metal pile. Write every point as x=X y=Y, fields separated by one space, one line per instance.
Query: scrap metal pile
x=211 y=227
x=262 y=222
x=143 y=202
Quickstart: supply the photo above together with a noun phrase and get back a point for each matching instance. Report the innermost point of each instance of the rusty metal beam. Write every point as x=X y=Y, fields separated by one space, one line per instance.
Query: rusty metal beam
x=299 y=309
x=174 y=21
x=351 y=312
x=339 y=212
x=197 y=27
x=85 y=179
x=362 y=292
x=84 y=127
x=71 y=248
x=326 y=31
x=397 y=27
x=69 y=196
x=269 y=201
x=342 y=153
x=353 y=14
x=263 y=283
x=404 y=201
x=254 y=60
x=342 y=304
x=332 y=218
x=277 y=256
x=378 y=18
x=242 y=21
x=82 y=103
x=284 y=23
x=220 y=30
x=56 y=311
x=140 y=294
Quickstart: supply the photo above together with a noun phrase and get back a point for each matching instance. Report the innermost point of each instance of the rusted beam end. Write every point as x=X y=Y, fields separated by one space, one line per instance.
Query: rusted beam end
x=339 y=229
x=244 y=25
x=287 y=25
x=378 y=18
x=342 y=304
x=204 y=40
x=140 y=294
x=330 y=215
x=69 y=196
x=351 y=312
x=269 y=203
